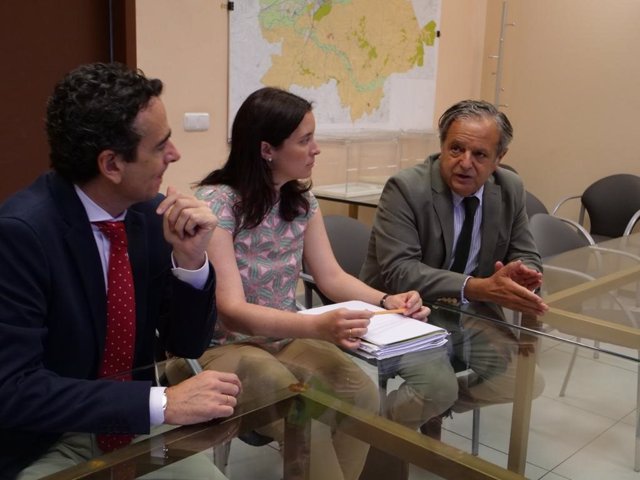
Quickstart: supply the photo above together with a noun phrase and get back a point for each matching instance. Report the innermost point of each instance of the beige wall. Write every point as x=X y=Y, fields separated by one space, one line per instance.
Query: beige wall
x=571 y=81
x=185 y=42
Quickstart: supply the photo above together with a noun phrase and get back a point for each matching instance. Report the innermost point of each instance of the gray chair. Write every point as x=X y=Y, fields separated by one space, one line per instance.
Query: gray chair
x=612 y=204
x=349 y=239
x=533 y=205
x=555 y=235
x=508 y=167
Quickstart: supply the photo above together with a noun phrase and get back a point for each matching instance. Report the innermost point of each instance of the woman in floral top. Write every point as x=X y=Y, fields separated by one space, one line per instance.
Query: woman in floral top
x=268 y=222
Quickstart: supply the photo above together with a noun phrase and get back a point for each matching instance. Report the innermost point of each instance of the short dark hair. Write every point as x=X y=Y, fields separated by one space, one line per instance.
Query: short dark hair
x=477 y=109
x=92 y=109
x=270 y=115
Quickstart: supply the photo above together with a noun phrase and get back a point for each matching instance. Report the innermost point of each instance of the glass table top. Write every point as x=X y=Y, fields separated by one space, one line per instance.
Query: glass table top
x=545 y=406
x=594 y=294
x=548 y=397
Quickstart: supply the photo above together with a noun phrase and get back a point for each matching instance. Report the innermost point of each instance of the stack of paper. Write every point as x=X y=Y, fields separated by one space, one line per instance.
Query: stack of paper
x=391 y=334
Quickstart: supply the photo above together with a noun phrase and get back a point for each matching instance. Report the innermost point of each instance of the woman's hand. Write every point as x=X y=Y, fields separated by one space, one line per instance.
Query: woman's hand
x=411 y=302
x=343 y=327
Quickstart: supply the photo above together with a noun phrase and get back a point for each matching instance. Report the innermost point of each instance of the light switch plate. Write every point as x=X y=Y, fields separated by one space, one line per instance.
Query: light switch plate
x=196 y=121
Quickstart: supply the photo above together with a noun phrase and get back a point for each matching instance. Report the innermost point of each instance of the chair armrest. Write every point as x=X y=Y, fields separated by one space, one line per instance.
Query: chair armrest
x=562 y=202
x=631 y=224
x=565 y=200
x=311 y=286
x=305 y=277
x=622 y=253
x=583 y=231
x=193 y=365
x=581 y=275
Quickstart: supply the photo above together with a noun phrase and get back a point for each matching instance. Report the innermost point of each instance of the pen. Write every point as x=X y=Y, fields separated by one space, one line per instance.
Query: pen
x=384 y=312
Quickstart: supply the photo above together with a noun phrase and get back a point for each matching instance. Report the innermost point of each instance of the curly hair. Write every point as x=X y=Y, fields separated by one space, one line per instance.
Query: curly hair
x=270 y=115
x=93 y=109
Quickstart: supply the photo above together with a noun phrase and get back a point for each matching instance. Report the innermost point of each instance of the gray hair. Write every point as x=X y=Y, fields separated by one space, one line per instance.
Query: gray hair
x=477 y=109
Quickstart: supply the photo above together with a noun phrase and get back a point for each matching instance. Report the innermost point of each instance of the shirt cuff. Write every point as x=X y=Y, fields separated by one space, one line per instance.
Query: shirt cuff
x=156 y=412
x=195 y=278
x=463 y=299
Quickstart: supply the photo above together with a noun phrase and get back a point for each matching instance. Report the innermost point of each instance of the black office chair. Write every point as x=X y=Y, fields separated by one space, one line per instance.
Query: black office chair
x=612 y=204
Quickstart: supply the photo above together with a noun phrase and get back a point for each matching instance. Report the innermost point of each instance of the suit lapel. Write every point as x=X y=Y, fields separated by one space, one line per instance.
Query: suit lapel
x=84 y=252
x=491 y=215
x=138 y=248
x=443 y=206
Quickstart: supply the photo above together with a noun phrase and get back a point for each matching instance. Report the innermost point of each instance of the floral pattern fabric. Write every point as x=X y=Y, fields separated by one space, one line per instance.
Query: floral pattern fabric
x=269 y=258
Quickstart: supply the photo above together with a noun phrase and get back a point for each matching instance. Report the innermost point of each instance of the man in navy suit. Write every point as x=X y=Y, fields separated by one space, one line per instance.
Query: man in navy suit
x=110 y=145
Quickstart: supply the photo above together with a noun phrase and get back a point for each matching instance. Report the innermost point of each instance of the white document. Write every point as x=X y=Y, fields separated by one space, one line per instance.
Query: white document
x=391 y=334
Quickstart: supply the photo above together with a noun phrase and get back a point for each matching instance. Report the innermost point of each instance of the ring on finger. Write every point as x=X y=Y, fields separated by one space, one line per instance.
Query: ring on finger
x=350 y=332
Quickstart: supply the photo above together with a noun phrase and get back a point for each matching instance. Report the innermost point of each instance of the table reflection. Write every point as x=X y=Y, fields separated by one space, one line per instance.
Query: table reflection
x=521 y=360
x=299 y=406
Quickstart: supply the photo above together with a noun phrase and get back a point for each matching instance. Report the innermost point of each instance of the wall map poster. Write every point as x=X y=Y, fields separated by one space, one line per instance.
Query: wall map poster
x=365 y=64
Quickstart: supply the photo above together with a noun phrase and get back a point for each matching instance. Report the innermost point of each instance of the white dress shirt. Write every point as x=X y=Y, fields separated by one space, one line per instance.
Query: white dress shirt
x=195 y=278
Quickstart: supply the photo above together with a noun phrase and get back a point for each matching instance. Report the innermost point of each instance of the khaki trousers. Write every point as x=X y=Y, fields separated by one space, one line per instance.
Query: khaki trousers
x=318 y=363
x=76 y=448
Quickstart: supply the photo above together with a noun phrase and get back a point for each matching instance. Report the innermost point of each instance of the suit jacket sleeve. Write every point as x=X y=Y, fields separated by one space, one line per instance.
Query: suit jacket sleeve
x=52 y=323
x=412 y=238
x=522 y=245
x=47 y=387
x=187 y=327
x=184 y=315
x=409 y=247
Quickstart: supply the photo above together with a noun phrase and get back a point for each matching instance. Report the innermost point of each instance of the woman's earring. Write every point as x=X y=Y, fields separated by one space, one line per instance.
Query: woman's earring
x=268 y=159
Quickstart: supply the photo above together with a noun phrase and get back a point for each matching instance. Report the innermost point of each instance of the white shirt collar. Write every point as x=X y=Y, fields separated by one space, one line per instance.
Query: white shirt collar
x=457 y=199
x=94 y=211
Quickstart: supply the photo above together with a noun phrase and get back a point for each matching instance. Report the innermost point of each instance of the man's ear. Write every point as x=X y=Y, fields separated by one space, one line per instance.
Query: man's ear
x=110 y=165
x=266 y=150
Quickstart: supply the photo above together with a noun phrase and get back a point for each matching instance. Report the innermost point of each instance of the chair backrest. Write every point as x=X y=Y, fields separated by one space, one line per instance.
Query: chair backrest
x=611 y=202
x=508 y=167
x=534 y=205
x=553 y=235
x=349 y=240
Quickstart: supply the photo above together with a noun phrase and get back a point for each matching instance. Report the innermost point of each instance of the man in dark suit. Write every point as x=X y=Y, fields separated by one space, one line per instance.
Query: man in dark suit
x=416 y=245
x=110 y=145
